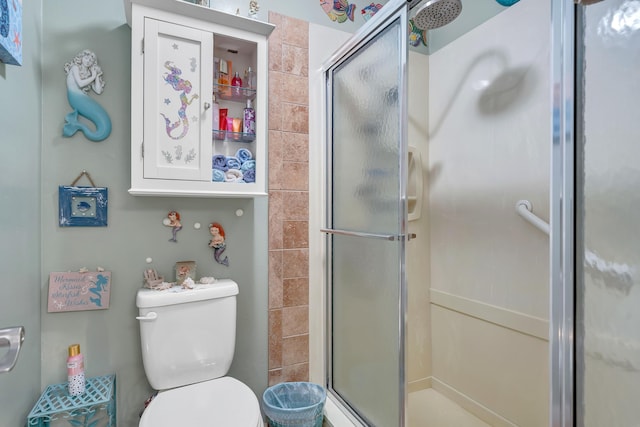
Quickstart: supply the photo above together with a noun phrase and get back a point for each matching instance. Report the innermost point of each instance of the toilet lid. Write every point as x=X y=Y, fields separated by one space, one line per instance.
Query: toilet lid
x=221 y=402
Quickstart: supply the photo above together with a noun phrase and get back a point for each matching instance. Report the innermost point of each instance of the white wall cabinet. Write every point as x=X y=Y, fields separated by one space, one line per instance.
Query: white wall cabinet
x=175 y=150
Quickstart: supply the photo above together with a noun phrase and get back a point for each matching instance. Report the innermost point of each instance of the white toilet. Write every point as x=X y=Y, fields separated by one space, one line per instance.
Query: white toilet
x=188 y=340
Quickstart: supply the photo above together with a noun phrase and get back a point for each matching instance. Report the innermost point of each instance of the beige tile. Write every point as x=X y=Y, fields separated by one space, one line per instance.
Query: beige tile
x=277 y=174
x=297 y=372
x=275 y=42
x=295 y=32
x=295 y=205
x=275 y=279
x=296 y=147
x=295 y=176
x=275 y=376
x=276 y=19
x=295 y=118
x=296 y=234
x=295 y=263
x=276 y=217
x=275 y=55
x=275 y=339
x=295 y=291
x=295 y=89
x=276 y=114
x=295 y=321
x=295 y=350
x=295 y=60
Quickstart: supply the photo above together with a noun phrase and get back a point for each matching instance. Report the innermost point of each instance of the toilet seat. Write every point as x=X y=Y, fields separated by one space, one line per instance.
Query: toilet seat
x=221 y=402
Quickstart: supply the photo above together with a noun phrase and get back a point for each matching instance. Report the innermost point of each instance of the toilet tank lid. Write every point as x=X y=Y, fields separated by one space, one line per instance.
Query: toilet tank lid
x=177 y=295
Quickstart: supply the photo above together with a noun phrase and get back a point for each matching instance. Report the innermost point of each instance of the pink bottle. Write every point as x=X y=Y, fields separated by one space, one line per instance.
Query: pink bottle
x=236 y=82
x=75 y=371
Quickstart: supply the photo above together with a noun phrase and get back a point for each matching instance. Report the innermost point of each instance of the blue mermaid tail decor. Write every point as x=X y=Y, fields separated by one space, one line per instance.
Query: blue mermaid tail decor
x=84 y=73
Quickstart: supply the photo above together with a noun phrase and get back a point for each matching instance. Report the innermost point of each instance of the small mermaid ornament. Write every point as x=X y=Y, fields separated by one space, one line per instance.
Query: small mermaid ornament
x=218 y=244
x=84 y=73
x=173 y=220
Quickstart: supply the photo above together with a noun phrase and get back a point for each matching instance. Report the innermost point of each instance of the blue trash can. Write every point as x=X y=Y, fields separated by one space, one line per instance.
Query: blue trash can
x=297 y=404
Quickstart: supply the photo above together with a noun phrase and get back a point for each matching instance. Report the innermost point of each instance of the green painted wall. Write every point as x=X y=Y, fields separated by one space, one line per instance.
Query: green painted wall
x=20 y=131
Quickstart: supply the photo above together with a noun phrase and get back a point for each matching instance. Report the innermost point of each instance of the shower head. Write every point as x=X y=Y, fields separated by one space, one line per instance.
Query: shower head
x=437 y=13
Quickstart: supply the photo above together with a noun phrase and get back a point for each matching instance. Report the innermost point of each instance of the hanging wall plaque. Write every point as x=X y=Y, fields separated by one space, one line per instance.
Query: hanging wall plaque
x=78 y=291
x=82 y=206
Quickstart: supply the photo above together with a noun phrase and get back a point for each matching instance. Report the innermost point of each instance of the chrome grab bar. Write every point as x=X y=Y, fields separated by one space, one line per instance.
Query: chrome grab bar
x=13 y=338
x=525 y=210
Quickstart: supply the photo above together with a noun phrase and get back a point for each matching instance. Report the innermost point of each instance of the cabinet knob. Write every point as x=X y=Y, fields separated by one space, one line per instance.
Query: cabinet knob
x=207 y=105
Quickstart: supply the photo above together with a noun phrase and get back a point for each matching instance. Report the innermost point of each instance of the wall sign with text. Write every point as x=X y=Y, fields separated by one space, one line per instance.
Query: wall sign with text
x=77 y=291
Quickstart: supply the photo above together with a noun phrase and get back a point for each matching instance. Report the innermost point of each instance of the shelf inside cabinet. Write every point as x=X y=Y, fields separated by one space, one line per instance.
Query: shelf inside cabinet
x=233 y=93
x=225 y=135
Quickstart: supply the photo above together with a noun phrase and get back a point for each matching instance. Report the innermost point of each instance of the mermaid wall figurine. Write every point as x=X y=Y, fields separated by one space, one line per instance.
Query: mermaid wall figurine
x=84 y=73
x=218 y=244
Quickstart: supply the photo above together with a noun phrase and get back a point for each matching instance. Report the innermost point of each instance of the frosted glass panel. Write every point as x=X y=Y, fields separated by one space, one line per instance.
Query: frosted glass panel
x=365 y=196
x=366 y=133
x=609 y=260
x=365 y=326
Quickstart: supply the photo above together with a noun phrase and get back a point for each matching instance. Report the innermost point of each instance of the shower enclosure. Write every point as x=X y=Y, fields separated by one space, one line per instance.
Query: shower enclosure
x=449 y=258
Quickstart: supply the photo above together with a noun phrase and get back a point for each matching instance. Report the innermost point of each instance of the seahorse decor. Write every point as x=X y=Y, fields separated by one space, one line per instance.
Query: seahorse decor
x=84 y=73
x=184 y=87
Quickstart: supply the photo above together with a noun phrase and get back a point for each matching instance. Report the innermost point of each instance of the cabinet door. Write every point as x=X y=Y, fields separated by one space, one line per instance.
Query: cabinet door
x=178 y=75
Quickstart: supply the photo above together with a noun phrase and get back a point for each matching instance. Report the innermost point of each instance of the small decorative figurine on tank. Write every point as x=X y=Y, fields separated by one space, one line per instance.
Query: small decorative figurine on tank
x=173 y=220
x=218 y=243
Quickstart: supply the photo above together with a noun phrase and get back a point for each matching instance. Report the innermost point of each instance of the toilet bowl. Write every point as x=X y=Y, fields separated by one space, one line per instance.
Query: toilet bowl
x=223 y=402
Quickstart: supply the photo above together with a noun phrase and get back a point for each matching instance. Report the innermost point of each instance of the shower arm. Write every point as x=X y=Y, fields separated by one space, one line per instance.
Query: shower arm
x=525 y=210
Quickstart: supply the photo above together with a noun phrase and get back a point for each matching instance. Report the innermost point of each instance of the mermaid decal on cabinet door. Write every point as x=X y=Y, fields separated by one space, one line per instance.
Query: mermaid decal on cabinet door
x=84 y=73
x=184 y=88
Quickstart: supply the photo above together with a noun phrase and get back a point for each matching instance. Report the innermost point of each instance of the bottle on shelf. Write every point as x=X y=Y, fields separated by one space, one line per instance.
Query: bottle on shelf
x=249 y=122
x=223 y=77
x=236 y=82
x=249 y=79
x=75 y=371
x=215 y=115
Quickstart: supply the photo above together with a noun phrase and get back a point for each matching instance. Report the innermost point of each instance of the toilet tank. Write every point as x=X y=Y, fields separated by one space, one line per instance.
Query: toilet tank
x=187 y=335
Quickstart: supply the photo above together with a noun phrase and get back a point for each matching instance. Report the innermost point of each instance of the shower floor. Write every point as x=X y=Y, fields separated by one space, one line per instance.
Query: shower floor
x=428 y=408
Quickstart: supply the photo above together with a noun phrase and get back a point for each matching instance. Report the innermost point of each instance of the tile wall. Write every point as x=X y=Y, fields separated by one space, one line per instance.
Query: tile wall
x=288 y=200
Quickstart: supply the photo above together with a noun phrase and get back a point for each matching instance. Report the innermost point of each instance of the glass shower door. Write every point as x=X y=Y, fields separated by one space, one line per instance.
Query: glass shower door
x=608 y=252
x=366 y=224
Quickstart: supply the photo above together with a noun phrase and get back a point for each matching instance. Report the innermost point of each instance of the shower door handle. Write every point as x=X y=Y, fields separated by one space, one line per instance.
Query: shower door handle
x=390 y=237
x=13 y=338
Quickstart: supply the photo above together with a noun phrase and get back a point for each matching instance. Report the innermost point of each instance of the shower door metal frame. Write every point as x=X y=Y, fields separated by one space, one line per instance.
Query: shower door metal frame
x=562 y=217
x=393 y=10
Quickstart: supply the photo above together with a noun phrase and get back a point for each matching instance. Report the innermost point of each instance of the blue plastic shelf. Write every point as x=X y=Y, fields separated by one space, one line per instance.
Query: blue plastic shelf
x=56 y=403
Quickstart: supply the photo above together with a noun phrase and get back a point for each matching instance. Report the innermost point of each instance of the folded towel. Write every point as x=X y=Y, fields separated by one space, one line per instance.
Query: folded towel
x=233 y=162
x=248 y=165
x=243 y=155
x=249 y=175
x=219 y=161
x=233 y=175
x=218 y=175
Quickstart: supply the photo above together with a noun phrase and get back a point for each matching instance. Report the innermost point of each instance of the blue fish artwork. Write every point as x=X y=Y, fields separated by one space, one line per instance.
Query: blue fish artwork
x=84 y=73
x=83 y=206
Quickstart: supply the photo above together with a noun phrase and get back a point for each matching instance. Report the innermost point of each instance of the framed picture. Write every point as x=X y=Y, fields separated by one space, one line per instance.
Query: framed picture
x=82 y=206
